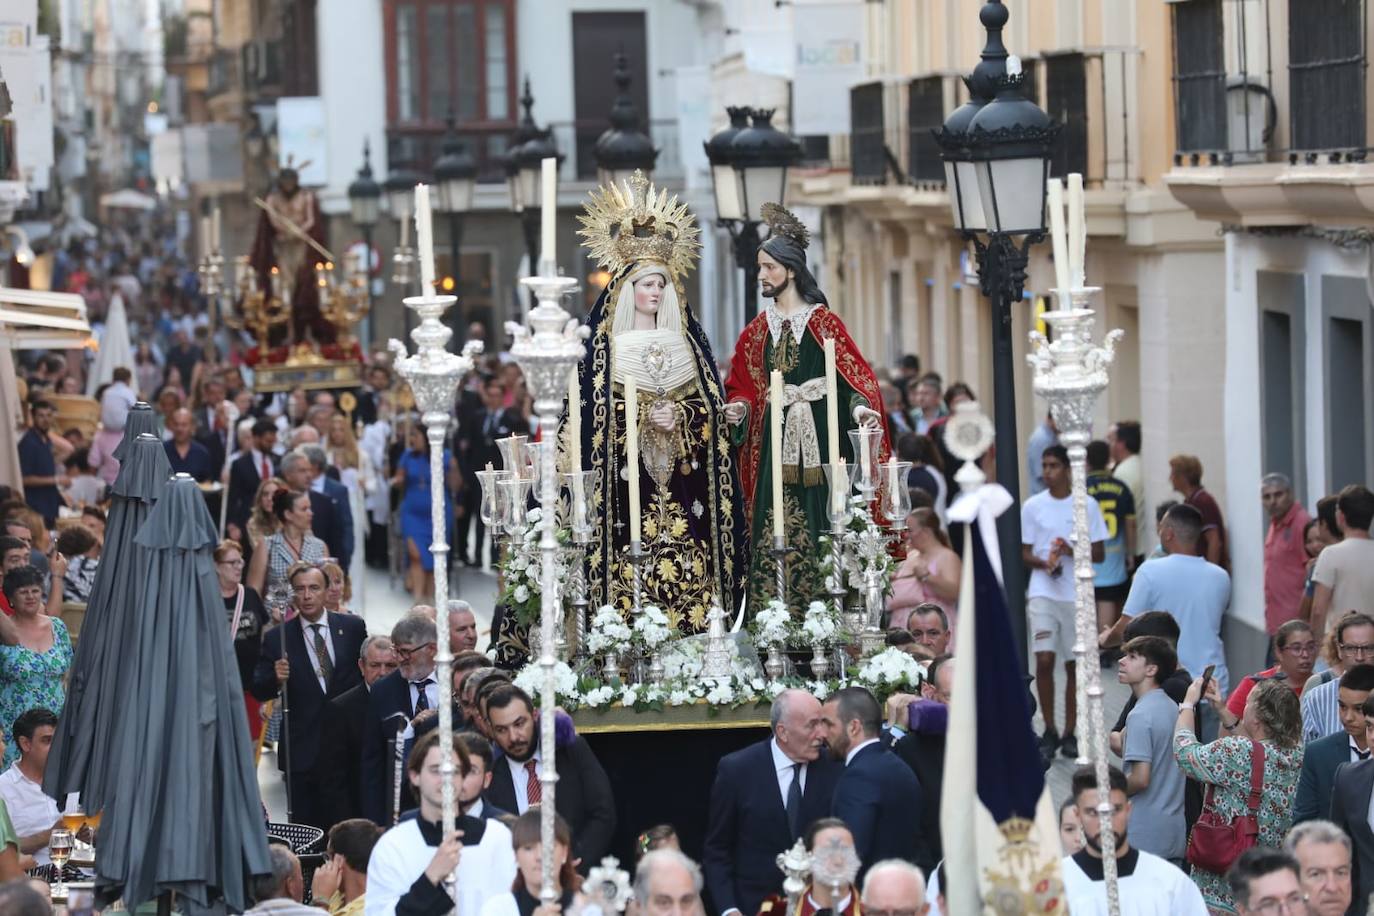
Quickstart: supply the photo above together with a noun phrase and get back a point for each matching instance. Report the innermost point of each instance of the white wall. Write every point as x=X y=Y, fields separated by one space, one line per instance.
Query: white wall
x=353 y=87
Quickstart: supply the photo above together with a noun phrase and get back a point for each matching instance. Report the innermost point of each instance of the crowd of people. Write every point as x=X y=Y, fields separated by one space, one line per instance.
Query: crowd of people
x=311 y=491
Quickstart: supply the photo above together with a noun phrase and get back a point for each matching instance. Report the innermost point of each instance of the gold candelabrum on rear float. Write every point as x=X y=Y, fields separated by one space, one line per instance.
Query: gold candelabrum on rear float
x=343 y=304
x=258 y=310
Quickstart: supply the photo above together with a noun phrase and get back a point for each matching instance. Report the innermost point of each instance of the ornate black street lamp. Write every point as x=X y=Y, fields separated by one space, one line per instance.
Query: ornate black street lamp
x=749 y=163
x=530 y=146
x=624 y=147
x=455 y=179
x=365 y=204
x=996 y=149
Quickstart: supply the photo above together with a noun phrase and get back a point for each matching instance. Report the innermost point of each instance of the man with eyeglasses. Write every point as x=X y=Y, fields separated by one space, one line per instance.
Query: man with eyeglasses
x=1323 y=757
x=1264 y=882
x=1323 y=853
x=1296 y=649
x=394 y=703
x=1148 y=884
x=1354 y=635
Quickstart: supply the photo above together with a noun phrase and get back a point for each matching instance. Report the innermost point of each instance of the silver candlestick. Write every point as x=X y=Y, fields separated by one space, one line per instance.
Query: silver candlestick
x=546 y=351
x=1070 y=374
x=434 y=375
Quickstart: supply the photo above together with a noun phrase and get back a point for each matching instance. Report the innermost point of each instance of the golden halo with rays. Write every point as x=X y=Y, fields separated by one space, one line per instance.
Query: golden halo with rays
x=634 y=222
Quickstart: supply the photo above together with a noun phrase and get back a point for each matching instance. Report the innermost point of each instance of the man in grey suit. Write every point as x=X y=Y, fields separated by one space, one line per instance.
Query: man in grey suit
x=1350 y=811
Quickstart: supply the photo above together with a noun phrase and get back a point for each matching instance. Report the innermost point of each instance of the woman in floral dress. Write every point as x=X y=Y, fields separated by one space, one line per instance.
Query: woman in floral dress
x=35 y=653
x=1273 y=718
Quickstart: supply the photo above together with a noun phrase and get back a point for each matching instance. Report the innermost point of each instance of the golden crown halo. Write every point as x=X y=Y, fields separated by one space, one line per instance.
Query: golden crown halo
x=634 y=222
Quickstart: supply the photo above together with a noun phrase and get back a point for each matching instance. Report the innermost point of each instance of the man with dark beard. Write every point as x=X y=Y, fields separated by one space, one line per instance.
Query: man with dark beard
x=1148 y=883
x=791 y=336
x=584 y=792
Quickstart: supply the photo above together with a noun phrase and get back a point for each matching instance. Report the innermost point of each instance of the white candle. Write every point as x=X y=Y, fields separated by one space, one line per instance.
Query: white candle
x=892 y=482
x=207 y=238
x=214 y=229
x=865 y=462
x=832 y=405
x=775 y=446
x=548 y=213
x=839 y=486
x=1078 y=231
x=575 y=442
x=424 y=239
x=631 y=393
x=1058 y=240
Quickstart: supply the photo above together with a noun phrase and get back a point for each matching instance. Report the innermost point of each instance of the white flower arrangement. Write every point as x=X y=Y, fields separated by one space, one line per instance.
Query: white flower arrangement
x=891 y=669
x=651 y=628
x=773 y=626
x=609 y=631
x=821 y=624
x=521 y=568
x=531 y=680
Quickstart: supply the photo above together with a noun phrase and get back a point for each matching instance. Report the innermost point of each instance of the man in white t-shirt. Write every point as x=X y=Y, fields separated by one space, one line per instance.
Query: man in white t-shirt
x=1047 y=551
x=1344 y=576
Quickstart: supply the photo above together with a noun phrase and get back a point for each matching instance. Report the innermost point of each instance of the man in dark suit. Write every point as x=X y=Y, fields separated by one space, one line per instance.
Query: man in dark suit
x=1350 y=811
x=296 y=471
x=320 y=482
x=396 y=700
x=877 y=795
x=318 y=662
x=341 y=734
x=246 y=474
x=1321 y=757
x=917 y=736
x=476 y=448
x=584 y=791
x=763 y=798
x=214 y=428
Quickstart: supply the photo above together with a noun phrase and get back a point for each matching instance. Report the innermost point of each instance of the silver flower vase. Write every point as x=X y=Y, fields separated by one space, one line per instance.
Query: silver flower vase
x=656 y=670
x=820 y=662
x=774 y=665
x=610 y=666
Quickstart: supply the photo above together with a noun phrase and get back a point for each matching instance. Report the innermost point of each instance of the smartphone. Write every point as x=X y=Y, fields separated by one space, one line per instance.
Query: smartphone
x=1206 y=679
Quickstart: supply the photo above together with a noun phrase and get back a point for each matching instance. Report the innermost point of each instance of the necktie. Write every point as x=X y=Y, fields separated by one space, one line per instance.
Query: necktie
x=266 y=468
x=491 y=423
x=534 y=792
x=1363 y=755
x=421 y=696
x=322 y=653
x=794 y=801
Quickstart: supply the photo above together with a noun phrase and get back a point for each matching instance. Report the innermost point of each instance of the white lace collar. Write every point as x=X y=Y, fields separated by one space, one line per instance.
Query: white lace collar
x=798 y=320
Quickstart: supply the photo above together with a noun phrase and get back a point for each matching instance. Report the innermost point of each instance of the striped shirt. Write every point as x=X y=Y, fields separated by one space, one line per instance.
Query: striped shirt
x=1320 y=714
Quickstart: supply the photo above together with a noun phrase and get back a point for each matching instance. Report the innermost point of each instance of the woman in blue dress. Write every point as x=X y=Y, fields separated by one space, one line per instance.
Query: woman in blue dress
x=412 y=475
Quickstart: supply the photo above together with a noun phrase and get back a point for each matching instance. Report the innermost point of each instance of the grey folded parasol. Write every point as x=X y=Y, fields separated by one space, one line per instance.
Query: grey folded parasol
x=182 y=812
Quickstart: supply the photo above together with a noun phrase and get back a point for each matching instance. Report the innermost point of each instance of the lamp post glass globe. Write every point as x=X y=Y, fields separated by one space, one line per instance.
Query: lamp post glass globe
x=761 y=155
x=725 y=180
x=365 y=195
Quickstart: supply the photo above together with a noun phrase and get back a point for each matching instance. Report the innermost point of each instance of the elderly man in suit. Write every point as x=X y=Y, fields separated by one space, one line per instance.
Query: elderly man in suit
x=341 y=734
x=877 y=795
x=320 y=482
x=584 y=796
x=763 y=799
x=1350 y=802
x=394 y=703
x=1322 y=757
x=310 y=659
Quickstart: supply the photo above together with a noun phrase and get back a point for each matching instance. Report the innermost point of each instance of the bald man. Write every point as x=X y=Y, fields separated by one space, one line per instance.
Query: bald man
x=186 y=455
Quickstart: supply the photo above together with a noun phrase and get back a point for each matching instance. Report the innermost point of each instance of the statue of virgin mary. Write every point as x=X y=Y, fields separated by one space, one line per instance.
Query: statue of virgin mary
x=692 y=517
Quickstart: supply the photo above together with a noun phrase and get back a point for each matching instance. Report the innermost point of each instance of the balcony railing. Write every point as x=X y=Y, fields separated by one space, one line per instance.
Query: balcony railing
x=417 y=148
x=1226 y=111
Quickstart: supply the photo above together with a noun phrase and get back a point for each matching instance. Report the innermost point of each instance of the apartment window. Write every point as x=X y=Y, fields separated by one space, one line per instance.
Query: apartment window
x=597 y=38
x=1349 y=375
x=925 y=112
x=868 y=162
x=1326 y=73
x=449 y=58
x=1199 y=76
x=1283 y=311
x=1066 y=98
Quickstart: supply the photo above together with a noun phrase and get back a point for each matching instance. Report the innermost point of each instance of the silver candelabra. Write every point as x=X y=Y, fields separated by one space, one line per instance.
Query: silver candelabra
x=1070 y=373
x=434 y=375
x=547 y=350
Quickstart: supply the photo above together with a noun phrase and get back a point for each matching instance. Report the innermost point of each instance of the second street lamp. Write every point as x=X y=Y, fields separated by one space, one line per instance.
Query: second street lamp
x=365 y=205
x=997 y=153
x=455 y=179
x=524 y=164
x=624 y=147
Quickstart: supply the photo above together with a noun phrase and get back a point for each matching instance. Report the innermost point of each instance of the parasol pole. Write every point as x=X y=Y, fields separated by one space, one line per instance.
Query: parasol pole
x=434 y=375
x=546 y=351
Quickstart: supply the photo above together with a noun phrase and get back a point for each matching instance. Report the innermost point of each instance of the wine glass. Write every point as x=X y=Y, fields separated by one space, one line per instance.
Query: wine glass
x=60 y=844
